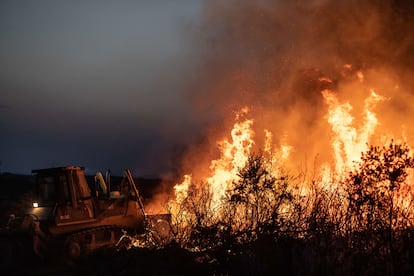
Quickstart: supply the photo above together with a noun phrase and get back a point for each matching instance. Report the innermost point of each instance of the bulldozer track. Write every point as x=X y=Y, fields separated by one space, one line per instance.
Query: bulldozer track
x=82 y=243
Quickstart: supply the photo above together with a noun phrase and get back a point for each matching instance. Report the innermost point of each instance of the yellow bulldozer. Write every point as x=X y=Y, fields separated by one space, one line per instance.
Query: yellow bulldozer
x=68 y=218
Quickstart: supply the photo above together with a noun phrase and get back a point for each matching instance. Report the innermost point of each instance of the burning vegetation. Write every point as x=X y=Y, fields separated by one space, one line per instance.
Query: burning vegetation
x=308 y=156
x=356 y=205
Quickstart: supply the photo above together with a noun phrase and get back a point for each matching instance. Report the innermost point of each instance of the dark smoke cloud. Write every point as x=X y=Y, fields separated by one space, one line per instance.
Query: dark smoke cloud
x=271 y=55
x=260 y=44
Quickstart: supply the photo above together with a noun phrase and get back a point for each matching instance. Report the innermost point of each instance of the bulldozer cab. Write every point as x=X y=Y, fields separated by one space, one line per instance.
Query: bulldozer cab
x=66 y=190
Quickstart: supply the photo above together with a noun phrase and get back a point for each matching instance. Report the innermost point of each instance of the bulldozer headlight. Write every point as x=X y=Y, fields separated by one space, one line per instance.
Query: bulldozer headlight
x=35 y=204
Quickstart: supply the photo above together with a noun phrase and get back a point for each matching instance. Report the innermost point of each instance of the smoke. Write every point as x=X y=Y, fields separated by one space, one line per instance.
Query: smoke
x=277 y=56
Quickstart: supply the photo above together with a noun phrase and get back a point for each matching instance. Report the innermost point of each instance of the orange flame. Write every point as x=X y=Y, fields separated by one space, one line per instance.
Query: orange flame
x=348 y=141
x=223 y=171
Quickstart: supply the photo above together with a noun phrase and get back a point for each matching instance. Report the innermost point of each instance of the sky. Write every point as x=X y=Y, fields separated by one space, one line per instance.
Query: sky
x=95 y=83
x=153 y=85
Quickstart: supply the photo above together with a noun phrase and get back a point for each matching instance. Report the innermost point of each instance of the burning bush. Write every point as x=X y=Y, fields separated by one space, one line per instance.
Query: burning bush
x=261 y=203
x=371 y=219
x=375 y=199
x=257 y=203
x=380 y=201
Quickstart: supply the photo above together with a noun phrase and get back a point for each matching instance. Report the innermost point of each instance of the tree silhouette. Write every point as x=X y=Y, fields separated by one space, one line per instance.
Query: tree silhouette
x=373 y=190
x=263 y=202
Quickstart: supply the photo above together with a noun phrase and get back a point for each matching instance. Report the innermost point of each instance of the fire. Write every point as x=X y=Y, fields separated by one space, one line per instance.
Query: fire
x=181 y=190
x=234 y=154
x=349 y=142
x=349 y=138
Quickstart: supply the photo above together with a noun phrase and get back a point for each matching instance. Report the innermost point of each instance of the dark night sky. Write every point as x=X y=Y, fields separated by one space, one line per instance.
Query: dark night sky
x=95 y=83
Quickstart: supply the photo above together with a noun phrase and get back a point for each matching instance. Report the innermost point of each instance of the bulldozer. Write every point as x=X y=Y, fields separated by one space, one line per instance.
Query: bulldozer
x=70 y=218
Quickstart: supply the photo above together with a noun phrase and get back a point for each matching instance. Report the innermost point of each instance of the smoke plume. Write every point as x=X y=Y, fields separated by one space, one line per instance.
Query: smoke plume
x=277 y=56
